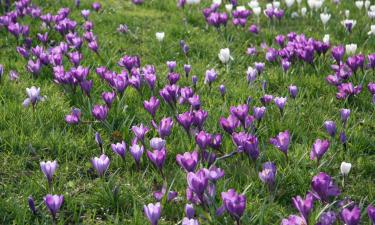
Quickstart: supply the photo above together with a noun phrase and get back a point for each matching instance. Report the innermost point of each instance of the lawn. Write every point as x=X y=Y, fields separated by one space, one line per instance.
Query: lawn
x=40 y=132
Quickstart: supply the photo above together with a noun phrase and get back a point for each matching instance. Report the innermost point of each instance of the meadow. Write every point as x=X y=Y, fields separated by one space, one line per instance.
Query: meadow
x=187 y=112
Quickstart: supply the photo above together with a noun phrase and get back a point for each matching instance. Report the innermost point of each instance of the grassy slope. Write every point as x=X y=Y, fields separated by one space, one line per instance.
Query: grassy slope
x=26 y=138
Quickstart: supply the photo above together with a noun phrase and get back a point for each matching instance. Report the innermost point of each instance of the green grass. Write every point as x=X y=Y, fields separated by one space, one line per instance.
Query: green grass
x=28 y=137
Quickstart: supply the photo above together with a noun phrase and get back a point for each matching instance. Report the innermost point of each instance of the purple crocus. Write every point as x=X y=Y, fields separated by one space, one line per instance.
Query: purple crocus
x=240 y=112
x=191 y=221
x=203 y=139
x=234 y=203
x=280 y=103
x=96 y=6
x=327 y=218
x=100 y=112
x=100 y=164
x=344 y=113
x=185 y=120
x=31 y=203
x=136 y=151
x=210 y=77
x=165 y=127
x=197 y=182
x=281 y=142
x=323 y=187
x=157 y=157
x=187 y=69
x=330 y=128
x=152 y=105
x=140 y=132
x=119 y=149
x=171 y=65
x=188 y=161
x=259 y=112
x=319 y=148
x=351 y=216
x=338 y=53
x=268 y=173
x=108 y=98
x=229 y=124
x=293 y=91
x=222 y=90
x=157 y=143
x=304 y=206
x=53 y=203
x=73 y=117
x=294 y=220
x=371 y=213
x=189 y=211
x=48 y=168
x=152 y=212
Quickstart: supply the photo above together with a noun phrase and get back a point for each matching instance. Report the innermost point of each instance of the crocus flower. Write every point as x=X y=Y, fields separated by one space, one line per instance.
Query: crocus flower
x=1 y=71
x=33 y=97
x=203 y=139
x=327 y=218
x=189 y=211
x=100 y=164
x=294 y=220
x=351 y=216
x=268 y=173
x=187 y=221
x=197 y=182
x=48 y=168
x=330 y=128
x=304 y=206
x=229 y=124
x=280 y=103
x=281 y=141
x=119 y=149
x=234 y=203
x=98 y=140
x=210 y=77
x=319 y=149
x=222 y=90
x=157 y=157
x=293 y=91
x=140 y=132
x=338 y=53
x=100 y=112
x=85 y=13
x=323 y=187
x=31 y=202
x=108 y=98
x=152 y=105
x=73 y=117
x=157 y=143
x=224 y=55
x=34 y=67
x=185 y=120
x=53 y=203
x=345 y=113
x=152 y=212
x=188 y=161
x=371 y=213
x=136 y=151
x=160 y=36
x=240 y=112
x=345 y=168
x=259 y=112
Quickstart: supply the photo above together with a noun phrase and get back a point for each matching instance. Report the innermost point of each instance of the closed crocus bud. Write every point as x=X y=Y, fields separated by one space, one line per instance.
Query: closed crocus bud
x=85 y=13
x=351 y=216
x=157 y=143
x=281 y=141
x=345 y=168
x=1 y=71
x=280 y=103
x=100 y=112
x=319 y=148
x=344 y=113
x=327 y=218
x=48 y=168
x=31 y=204
x=187 y=69
x=371 y=213
x=189 y=211
x=222 y=90
x=96 y=6
x=330 y=128
x=185 y=120
x=224 y=55
x=171 y=65
x=119 y=149
x=108 y=98
x=268 y=173
x=98 y=140
x=152 y=212
x=259 y=112
x=194 y=80
x=293 y=91
x=136 y=151
x=157 y=157
x=100 y=164
x=165 y=127
x=54 y=203
x=160 y=36
x=342 y=137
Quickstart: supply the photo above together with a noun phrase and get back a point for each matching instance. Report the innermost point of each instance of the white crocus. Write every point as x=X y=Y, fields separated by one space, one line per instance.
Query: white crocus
x=359 y=4
x=276 y=4
x=367 y=4
x=241 y=8
x=347 y=13
x=253 y=4
x=160 y=36
x=371 y=14
x=218 y=2
x=324 y=17
x=372 y=30
x=289 y=3
x=229 y=7
x=299 y=2
x=257 y=10
x=351 y=49
x=303 y=11
x=193 y=2
x=345 y=168
x=326 y=38
x=294 y=15
x=224 y=55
